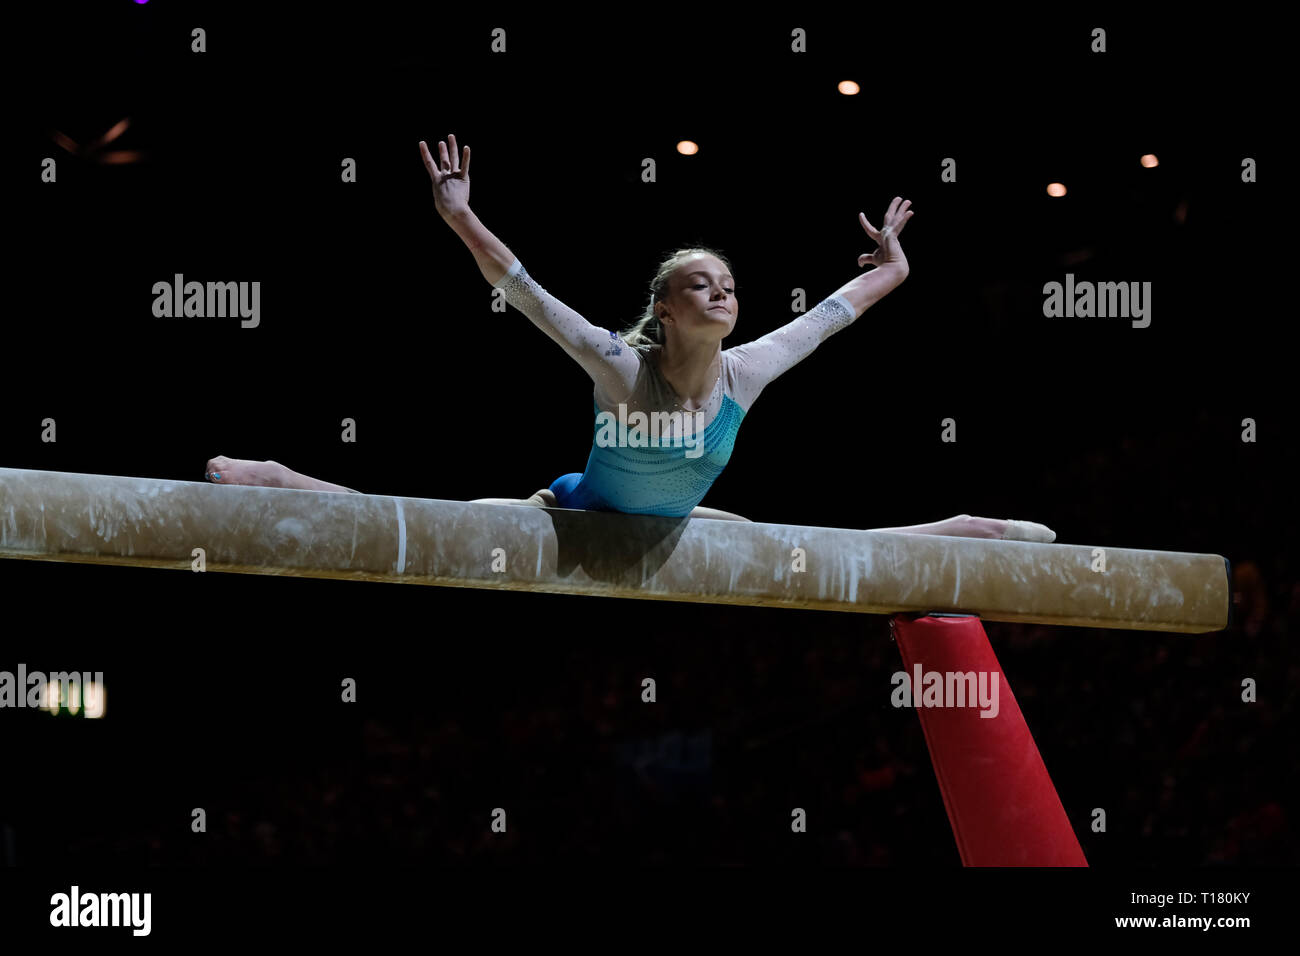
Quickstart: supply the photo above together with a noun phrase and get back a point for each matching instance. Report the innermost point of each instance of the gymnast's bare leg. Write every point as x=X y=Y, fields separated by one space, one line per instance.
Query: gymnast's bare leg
x=271 y=474
x=968 y=526
x=958 y=526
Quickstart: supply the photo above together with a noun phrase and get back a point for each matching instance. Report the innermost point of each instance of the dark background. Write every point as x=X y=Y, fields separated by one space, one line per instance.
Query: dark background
x=223 y=689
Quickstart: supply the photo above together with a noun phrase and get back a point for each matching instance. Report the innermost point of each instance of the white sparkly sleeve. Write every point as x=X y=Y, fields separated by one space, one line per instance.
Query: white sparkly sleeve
x=759 y=362
x=612 y=365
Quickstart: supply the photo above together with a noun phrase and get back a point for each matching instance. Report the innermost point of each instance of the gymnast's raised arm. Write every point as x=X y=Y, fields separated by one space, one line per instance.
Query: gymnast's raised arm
x=611 y=364
x=762 y=360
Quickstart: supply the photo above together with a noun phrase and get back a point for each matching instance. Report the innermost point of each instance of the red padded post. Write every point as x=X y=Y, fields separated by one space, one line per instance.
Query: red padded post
x=1000 y=800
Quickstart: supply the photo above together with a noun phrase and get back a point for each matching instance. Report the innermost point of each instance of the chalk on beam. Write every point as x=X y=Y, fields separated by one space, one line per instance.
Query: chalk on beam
x=150 y=522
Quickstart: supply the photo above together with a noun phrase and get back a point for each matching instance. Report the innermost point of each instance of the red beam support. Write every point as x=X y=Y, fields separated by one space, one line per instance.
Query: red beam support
x=1000 y=800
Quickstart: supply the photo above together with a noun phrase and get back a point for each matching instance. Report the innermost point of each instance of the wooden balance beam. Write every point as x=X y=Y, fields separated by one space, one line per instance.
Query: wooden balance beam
x=186 y=525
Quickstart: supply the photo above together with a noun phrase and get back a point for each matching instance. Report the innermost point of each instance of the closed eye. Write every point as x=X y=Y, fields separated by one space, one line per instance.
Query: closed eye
x=728 y=291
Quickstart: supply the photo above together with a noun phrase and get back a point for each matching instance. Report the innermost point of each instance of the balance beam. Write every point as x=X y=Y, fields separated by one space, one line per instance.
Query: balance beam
x=159 y=523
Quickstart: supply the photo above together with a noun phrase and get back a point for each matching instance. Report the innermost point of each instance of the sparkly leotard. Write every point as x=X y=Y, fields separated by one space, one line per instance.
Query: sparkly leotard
x=657 y=464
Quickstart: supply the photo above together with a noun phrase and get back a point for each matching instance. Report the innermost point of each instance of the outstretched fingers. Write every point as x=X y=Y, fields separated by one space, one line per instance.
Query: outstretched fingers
x=448 y=162
x=899 y=214
x=896 y=218
x=428 y=160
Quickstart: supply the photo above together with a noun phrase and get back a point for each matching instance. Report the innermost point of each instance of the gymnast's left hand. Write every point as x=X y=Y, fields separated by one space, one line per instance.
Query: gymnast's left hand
x=890 y=252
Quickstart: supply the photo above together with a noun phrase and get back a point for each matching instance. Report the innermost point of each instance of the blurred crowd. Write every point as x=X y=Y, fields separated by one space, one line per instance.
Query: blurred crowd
x=749 y=725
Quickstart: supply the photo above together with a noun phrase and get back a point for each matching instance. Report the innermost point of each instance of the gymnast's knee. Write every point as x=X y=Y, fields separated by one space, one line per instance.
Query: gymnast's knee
x=544 y=498
x=699 y=511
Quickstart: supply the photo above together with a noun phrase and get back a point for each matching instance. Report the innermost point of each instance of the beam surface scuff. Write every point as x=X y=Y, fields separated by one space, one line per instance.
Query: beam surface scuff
x=149 y=522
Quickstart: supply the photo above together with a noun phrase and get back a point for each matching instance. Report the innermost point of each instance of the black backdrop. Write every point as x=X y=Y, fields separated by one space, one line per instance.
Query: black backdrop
x=223 y=690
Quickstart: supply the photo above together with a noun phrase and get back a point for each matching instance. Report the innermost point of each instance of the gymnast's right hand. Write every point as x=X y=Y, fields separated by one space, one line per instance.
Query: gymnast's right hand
x=450 y=177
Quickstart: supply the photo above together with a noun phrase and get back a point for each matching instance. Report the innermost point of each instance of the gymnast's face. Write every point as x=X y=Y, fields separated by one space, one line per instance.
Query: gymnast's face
x=701 y=298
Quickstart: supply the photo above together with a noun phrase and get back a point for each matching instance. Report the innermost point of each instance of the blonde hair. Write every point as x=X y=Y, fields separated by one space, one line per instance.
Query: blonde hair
x=648 y=331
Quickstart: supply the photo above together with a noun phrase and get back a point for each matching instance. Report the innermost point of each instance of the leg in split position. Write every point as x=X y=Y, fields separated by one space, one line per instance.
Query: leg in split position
x=271 y=474
x=968 y=526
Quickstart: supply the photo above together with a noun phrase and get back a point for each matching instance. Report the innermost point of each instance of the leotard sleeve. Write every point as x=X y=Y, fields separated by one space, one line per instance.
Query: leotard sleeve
x=603 y=355
x=758 y=362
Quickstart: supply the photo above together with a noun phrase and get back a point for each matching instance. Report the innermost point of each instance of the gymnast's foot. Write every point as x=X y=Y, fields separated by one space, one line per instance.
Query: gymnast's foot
x=240 y=471
x=1006 y=529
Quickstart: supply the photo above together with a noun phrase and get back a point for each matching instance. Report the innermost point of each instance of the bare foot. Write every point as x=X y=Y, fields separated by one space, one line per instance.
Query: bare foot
x=1028 y=531
x=241 y=471
x=1008 y=529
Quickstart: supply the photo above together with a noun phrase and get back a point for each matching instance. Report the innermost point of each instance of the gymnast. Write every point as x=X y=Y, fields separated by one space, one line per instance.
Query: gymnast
x=670 y=361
